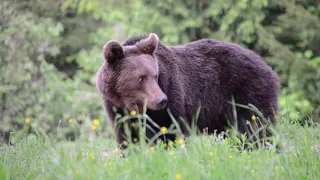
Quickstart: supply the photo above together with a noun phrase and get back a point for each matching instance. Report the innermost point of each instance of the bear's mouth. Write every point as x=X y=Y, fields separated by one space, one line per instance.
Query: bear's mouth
x=139 y=106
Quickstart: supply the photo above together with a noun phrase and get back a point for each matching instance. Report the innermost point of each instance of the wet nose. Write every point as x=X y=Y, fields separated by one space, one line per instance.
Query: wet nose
x=162 y=102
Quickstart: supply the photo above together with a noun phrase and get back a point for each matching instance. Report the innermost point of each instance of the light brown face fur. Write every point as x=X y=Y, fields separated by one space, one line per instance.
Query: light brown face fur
x=138 y=83
x=129 y=76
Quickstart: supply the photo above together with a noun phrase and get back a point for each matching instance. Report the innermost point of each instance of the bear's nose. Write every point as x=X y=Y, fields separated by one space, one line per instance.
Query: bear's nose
x=162 y=102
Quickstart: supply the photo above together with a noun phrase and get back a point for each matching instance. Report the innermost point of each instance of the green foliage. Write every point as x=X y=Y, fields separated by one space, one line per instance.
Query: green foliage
x=294 y=105
x=25 y=41
x=32 y=88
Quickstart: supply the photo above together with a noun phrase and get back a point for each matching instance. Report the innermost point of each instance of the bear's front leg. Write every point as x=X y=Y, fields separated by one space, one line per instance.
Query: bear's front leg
x=116 y=127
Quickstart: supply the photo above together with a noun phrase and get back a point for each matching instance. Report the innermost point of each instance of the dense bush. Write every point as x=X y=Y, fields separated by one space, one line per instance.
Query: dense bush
x=32 y=88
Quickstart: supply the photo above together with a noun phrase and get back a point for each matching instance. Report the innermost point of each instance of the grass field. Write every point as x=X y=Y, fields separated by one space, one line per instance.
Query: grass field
x=201 y=157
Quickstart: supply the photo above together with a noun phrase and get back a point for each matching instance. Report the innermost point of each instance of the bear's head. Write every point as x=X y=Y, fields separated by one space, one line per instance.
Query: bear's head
x=129 y=75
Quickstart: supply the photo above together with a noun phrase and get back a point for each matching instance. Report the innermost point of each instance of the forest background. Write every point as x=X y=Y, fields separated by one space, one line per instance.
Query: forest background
x=50 y=52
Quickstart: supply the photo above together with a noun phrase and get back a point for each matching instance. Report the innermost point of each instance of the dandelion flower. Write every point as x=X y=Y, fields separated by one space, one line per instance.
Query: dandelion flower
x=152 y=148
x=253 y=117
x=124 y=142
x=133 y=113
x=117 y=150
x=180 y=140
x=170 y=143
x=211 y=154
x=252 y=171
x=174 y=157
x=276 y=168
x=70 y=121
x=91 y=156
x=108 y=164
x=27 y=121
x=135 y=139
x=94 y=128
x=230 y=157
x=163 y=130
x=96 y=122
x=178 y=176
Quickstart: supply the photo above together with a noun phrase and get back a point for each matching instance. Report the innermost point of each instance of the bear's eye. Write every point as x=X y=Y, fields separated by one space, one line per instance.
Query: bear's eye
x=142 y=78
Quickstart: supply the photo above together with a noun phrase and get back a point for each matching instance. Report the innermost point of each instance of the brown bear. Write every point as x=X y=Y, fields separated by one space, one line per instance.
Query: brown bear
x=206 y=73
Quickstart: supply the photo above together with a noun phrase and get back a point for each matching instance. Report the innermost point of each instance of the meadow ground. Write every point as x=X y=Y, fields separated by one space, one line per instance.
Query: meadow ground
x=201 y=157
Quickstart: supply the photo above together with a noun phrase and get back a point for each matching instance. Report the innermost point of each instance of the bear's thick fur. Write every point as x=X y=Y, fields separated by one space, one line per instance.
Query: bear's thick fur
x=206 y=72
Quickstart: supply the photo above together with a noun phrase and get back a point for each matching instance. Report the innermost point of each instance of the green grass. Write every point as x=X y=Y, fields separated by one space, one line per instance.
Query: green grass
x=201 y=157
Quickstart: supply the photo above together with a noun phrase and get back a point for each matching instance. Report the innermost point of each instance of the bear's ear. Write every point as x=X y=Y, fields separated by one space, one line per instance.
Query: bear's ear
x=148 y=45
x=112 y=52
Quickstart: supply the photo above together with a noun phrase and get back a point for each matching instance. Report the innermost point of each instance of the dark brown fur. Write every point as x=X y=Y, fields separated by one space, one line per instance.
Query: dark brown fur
x=206 y=72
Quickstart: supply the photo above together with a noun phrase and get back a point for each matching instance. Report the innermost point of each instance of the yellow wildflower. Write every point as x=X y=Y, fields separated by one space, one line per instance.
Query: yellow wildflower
x=253 y=117
x=276 y=168
x=230 y=157
x=96 y=122
x=211 y=154
x=152 y=148
x=91 y=156
x=108 y=164
x=252 y=171
x=27 y=120
x=170 y=143
x=180 y=140
x=178 y=176
x=135 y=139
x=124 y=142
x=163 y=130
x=94 y=128
x=117 y=150
x=70 y=121
x=133 y=113
x=174 y=157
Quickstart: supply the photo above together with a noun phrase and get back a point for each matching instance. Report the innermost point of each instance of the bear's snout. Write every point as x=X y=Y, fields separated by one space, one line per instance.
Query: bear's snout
x=162 y=102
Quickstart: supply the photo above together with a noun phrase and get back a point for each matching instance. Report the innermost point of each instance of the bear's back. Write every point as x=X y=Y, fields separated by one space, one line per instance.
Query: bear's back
x=212 y=72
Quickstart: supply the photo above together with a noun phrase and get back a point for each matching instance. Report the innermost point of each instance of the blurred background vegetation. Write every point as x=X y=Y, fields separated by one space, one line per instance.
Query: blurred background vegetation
x=50 y=53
